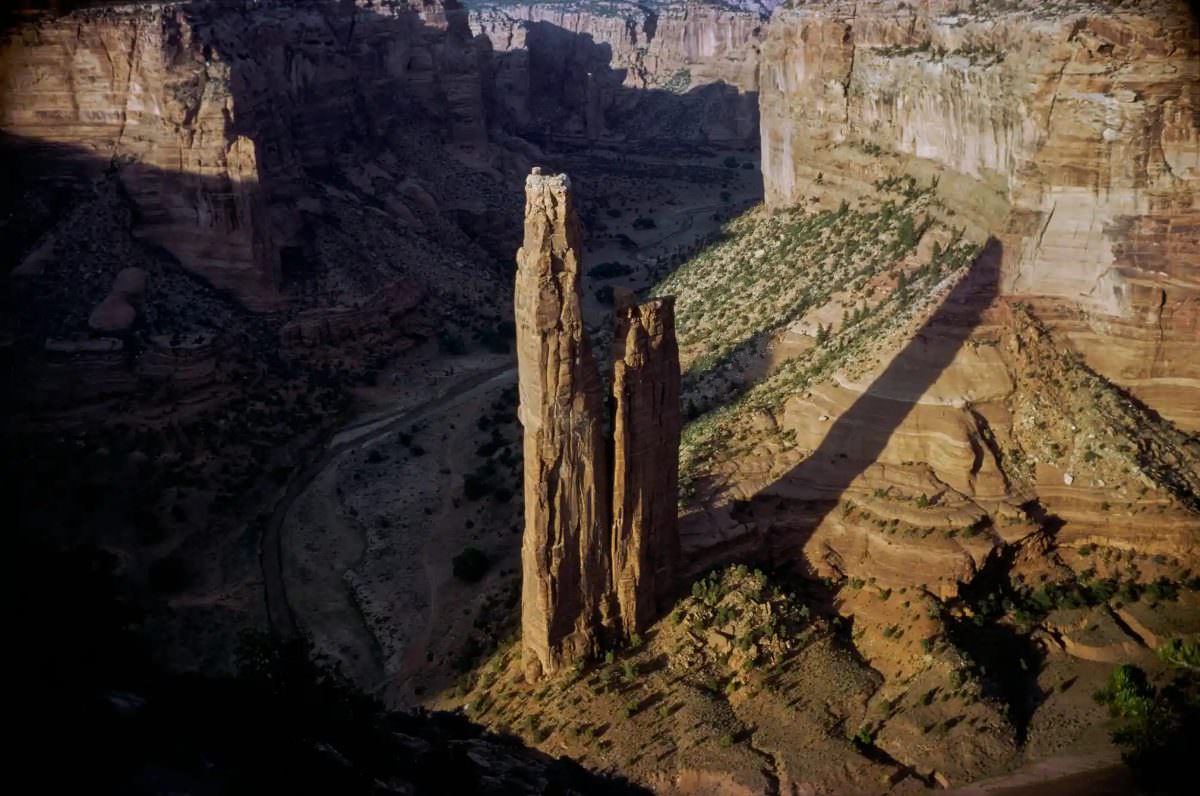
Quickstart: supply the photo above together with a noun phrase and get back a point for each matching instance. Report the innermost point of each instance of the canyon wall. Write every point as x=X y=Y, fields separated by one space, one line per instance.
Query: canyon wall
x=1070 y=134
x=624 y=71
x=219 y=117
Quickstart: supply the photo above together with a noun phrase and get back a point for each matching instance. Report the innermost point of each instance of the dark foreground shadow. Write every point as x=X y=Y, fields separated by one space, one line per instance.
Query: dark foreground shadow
x=284 y=722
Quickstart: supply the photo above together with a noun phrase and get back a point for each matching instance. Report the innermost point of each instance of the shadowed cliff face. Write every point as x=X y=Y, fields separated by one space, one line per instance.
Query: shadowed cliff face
x=671 y=75
x=320 y=156
x=308 y=186
x=253 y=139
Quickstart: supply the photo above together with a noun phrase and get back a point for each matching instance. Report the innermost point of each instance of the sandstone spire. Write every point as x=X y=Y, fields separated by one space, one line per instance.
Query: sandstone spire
x=565 y=549
x=584 y=580
x=646 y=424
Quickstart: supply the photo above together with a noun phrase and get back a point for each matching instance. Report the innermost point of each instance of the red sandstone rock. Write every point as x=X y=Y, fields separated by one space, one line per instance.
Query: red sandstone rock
x=565 y=598
x=646 y=426
x=1071 y=135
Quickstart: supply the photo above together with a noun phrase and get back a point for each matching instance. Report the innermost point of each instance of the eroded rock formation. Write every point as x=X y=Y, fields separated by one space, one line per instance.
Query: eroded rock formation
x=584 y=580
x=646 y=428
x=564 y=552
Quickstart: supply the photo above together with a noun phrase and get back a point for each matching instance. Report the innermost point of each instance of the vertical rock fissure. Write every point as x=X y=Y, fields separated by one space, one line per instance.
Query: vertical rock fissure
x=600 y=546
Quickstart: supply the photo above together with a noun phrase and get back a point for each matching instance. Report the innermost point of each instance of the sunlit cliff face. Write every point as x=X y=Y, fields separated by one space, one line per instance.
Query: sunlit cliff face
x=1070 y=135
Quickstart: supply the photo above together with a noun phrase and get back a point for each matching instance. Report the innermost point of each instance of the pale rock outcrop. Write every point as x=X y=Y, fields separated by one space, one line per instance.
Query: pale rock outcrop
x=564 y=552
x=119 y=309
x=646 y=427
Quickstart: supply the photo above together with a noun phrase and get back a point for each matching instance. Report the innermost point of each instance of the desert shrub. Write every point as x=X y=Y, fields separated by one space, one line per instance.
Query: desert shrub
x=449 y=343
x=642 y=222
x=1162 y=589
x=470 y=565
x=1177 y=652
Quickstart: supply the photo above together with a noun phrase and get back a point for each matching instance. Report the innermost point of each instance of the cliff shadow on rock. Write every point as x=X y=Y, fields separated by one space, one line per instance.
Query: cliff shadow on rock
x=562 y=88
x=276 y=150
x=859 y=435
x=281 y=151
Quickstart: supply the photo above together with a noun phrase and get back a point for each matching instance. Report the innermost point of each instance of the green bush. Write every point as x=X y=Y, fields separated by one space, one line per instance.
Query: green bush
x=1177 y=652
x=1156 y=727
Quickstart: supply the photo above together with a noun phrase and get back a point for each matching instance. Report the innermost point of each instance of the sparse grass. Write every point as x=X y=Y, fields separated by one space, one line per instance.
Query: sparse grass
x=770 y=271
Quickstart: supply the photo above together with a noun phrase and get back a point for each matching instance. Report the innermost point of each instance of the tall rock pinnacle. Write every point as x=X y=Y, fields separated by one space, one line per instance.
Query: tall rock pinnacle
x=645 y=544
x=586 y=581
x=566 y=591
